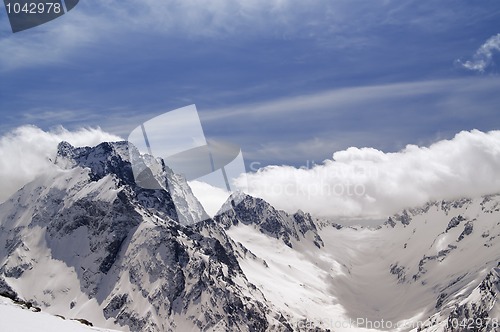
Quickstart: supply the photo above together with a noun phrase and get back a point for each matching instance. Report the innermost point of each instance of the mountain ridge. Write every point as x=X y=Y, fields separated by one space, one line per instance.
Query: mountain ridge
x=87 y=241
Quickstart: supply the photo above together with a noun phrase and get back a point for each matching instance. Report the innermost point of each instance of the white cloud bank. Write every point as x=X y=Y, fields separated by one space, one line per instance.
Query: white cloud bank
x=357 y=182
x=27 y=151
x=370 y=183
x=483 y=57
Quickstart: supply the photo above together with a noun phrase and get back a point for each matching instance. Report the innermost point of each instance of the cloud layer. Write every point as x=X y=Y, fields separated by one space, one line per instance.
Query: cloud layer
x=356 y=182
x=365 y=182
x=27 y=152
x=483 y=57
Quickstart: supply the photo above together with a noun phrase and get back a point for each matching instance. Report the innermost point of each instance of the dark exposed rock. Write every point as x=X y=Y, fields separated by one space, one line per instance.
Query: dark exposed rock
x=440 y=300
x=6 y=290
x=469 y=227
x=390 y=222
x=475 y=315
x=399 y=271
x=456 y=204
x=454 y=222
x=270 y=221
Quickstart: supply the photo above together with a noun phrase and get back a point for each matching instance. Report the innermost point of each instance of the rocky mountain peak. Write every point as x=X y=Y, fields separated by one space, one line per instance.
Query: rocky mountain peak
x=103 y=159
x=255 y=211
x=146 y=177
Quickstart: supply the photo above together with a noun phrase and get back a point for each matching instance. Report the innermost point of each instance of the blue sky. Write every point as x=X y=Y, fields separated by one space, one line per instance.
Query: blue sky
x=289 y=81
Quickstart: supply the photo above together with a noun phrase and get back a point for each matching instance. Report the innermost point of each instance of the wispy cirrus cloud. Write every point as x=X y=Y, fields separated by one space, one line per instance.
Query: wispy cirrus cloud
x=93 y=24
x=338 y=25
x=52 y=43
x=386 y=116
x=483 y=58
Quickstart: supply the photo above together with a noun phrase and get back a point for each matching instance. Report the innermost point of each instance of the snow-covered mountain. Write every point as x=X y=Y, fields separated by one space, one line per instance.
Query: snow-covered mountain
x=87 y=241
x=433 y=268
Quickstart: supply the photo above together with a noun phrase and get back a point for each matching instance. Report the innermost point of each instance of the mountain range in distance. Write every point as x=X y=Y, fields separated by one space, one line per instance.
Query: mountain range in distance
x=87 y=244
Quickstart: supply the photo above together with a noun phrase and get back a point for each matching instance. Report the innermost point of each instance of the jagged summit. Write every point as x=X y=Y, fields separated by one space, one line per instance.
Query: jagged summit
x=246 y=209
x=114 y=158
x=103 y=159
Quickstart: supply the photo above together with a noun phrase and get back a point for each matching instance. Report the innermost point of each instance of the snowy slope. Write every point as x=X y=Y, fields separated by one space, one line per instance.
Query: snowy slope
x=415 y=269
x=14 y=317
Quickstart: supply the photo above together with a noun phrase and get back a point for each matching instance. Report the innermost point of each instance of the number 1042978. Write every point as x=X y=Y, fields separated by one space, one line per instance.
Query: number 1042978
x=34 y=8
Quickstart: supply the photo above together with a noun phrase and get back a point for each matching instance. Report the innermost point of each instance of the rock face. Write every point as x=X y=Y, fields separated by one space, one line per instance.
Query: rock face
x=172 y=196
x=274 y=223
x=450 y=251
x=476 y=313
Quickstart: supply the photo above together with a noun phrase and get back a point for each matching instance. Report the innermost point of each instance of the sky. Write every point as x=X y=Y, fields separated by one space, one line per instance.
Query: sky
x=291 y=82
